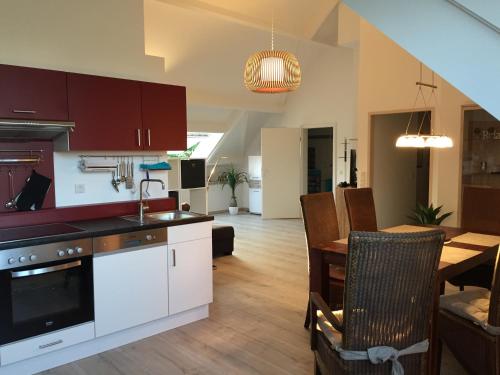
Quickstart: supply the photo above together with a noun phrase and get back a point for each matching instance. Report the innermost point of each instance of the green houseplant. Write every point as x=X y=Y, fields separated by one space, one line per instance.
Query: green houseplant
x=428 y=215
x=233 y=178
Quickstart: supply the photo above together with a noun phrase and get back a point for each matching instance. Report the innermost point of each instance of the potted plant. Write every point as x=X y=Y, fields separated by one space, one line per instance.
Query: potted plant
x=233 y=178
x=428 y=215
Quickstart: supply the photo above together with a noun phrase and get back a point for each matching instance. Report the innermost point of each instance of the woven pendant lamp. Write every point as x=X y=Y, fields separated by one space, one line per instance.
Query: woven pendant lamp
x=272 y=71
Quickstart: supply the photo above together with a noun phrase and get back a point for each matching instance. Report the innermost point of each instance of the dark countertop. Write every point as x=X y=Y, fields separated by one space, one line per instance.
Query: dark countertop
x=104 y=227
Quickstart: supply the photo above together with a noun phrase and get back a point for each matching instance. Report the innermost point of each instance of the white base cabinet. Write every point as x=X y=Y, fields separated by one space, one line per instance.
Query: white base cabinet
x=255 y=201
x=190 y=274
x=130 y=288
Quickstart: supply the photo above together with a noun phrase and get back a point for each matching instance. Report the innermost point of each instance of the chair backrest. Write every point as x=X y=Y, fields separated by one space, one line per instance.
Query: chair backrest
x=494 y=311
x=481 y=210
x=389 y=286
x=320 y=218
x=361 y=209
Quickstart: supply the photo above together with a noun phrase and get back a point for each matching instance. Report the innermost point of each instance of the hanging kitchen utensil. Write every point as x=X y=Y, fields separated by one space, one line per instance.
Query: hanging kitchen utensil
x=122 y=168
x=114 y=182
x=132 y=176
x=33 y=194
x=129 y=182
x=11 y=203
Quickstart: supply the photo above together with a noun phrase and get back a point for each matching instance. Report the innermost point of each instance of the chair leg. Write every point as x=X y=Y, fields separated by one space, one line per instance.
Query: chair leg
x=307 y=322
x=317 y=371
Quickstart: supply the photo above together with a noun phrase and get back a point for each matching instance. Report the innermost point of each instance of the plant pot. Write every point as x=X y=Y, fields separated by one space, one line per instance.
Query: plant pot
x=233 y=210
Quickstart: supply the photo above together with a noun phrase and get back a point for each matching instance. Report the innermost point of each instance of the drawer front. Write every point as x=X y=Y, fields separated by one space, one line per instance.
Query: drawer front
x=189 y=232
x=42 y=344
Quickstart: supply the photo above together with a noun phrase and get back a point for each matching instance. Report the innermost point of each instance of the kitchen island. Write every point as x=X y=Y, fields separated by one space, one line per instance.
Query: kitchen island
x=147 y=278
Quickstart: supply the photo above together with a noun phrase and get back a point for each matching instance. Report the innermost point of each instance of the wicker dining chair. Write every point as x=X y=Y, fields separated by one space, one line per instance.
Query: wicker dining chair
x=480 y=214
x=321 y=225
x=469 y=325
x=389 y=286
x=361 y=209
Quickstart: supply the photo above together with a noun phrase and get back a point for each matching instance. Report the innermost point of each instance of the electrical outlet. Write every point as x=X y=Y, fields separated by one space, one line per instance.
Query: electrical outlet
x=79 y=188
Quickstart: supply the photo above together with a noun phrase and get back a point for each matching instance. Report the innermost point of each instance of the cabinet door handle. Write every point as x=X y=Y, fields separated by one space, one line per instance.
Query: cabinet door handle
x=139 y=137
x=50 y=344
x=173 y=258
x=30 y=111
x=149 y=137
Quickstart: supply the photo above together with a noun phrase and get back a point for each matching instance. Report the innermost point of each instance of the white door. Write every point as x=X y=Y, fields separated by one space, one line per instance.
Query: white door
x=130 y=288
x=281 y=172
x=190 y=275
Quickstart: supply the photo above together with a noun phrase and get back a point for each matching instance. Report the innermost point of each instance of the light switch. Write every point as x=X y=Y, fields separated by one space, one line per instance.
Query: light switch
x=79 y=188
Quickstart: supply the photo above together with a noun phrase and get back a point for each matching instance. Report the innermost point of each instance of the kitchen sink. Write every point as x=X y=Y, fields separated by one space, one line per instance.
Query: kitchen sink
x=161 y=216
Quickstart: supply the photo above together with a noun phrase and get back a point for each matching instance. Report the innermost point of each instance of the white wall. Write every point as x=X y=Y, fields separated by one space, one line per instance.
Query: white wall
x=386 y=83
x=97 y=185
x=92 y=36
x=327 y=97
x=457 y=46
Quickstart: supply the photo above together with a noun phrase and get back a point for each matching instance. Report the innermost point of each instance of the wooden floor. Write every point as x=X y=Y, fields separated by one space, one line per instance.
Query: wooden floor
x=255 y=324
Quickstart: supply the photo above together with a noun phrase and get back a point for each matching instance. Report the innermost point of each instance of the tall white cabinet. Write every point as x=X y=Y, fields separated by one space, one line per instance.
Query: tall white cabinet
x=255 y=184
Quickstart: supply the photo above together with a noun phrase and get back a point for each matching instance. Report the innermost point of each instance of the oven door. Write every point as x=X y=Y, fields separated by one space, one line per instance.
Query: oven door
x=45 y=298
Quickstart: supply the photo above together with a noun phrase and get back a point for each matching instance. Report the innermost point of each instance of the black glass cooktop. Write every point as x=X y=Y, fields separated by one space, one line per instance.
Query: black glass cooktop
x=36 y=231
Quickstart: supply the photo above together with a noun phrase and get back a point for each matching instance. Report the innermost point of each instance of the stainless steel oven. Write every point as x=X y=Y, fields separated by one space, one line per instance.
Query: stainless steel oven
x=44 y=288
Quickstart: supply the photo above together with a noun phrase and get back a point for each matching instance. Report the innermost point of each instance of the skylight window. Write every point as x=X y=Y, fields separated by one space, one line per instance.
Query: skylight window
x=199 y=145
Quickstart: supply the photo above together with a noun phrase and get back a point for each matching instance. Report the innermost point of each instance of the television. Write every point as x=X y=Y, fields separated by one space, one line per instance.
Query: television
x=193 y=173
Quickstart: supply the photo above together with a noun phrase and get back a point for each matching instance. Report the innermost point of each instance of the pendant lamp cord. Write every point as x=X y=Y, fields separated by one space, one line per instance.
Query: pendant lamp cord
x=421 y=94
x=272 y=30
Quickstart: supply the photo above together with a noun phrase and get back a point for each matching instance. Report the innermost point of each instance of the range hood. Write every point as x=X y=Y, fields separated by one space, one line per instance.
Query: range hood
x=38 y=130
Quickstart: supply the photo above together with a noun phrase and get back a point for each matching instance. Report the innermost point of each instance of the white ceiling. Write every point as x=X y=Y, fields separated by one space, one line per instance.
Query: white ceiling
x=300 y=18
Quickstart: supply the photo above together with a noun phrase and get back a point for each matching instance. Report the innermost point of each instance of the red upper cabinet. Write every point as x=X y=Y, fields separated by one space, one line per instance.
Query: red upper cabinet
x=30 y=93
x=164 y=121
x=107 y=113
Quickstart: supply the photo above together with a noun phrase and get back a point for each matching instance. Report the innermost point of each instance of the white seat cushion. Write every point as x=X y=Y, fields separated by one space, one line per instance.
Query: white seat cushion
x=472 y=305
x=334 y=336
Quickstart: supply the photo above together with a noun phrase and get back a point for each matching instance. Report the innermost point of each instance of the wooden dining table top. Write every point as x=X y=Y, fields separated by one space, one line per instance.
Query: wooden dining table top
x=462 y=249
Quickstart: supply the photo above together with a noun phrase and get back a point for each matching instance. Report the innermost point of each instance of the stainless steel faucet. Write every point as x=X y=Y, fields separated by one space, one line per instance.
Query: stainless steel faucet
x=143 y=205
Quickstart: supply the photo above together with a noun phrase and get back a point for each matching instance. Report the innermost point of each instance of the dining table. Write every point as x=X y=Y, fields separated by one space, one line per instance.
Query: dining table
x=462 y=251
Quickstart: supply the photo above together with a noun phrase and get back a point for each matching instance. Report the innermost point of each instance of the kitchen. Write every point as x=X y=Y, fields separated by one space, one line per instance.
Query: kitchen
x=68 y=270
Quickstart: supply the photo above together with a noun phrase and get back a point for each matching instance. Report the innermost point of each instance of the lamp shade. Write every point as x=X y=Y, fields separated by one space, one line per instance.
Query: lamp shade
x=272 y=71
x=421 y=141
x=410 y=140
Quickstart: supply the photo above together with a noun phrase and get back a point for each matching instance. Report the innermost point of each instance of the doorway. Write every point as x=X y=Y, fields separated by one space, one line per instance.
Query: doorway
x=319 y=160
x=399 y=176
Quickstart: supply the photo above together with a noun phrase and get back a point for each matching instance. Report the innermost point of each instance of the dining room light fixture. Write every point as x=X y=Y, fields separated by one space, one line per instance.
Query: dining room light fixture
x=417 y=140
x=272 y=71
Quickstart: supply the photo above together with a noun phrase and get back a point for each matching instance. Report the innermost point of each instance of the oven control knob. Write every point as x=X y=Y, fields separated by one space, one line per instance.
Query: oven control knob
x=149 y=237
x=22 y=259
x=33 y=258
x=11 y=260
x=61 y=253
x=79 y=250
x=70 y=251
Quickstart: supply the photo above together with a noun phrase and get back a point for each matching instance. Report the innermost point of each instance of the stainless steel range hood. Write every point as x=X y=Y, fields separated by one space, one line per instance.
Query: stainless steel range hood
x=58 y=131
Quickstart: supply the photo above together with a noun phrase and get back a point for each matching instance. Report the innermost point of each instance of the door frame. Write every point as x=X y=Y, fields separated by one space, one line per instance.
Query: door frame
x=304 y=145
x=371 y=146
x=463 y=108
